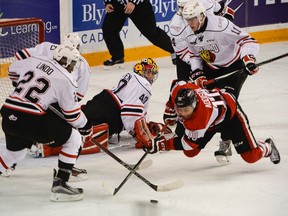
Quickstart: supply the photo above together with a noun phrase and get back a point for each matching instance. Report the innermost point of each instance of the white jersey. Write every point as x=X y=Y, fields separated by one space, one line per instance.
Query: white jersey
x=81 y=73
x=179 y=29
x=133 y=94
x=41 y=82
x=220 y=44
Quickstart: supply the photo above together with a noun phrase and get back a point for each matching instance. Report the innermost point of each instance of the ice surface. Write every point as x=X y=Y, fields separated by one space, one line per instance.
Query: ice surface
x=210 y=189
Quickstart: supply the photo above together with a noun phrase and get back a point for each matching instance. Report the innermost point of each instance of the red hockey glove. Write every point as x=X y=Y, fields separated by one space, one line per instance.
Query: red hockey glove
x=200 y=81
x=170 y=115
x=250 y=64
x=157 y=144
x=228 y=13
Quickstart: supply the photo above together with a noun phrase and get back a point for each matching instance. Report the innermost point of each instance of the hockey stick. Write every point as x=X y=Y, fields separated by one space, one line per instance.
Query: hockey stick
x=238 y=7
x=137 y=164
x=144 y=165
x=209 y=82
x=158 y=188
x=115 y=190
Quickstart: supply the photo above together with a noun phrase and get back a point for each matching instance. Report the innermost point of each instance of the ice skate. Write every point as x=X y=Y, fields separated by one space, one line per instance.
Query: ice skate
x=224 y=153
x=110 y=64
x=274 y=155
x=62 y=192
x=78 y=175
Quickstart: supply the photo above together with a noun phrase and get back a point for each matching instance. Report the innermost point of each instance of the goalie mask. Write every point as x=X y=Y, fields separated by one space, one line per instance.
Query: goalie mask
x=73 y=39
x=148 y=69
x=67 y=56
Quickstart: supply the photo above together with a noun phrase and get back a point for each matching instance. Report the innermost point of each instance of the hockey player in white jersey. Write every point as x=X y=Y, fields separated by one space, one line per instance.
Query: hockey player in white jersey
x=123 y=105
x=81 y=71
x=218 y=47
x=26 y=117
x=179 y=29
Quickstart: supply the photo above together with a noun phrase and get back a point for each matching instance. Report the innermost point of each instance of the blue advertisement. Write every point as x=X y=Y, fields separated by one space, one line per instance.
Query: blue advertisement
x=47 y=10
x=89 y=14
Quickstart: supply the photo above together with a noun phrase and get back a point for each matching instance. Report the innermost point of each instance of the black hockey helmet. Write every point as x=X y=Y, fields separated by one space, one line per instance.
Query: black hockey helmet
x=185 y=97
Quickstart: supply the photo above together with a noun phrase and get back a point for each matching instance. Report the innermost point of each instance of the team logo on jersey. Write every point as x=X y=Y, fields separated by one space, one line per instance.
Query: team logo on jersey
x=13 y=118
x=207 y=56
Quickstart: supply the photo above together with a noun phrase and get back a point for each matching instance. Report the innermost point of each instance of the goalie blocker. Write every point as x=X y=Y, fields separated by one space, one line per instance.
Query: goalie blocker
x=100 y=132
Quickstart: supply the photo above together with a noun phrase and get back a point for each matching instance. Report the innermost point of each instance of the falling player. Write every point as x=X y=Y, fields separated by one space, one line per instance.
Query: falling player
x=26 y=117
x=204 y=113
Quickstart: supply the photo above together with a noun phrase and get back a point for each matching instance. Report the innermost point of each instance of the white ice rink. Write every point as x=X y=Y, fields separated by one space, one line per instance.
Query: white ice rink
x=210 y=189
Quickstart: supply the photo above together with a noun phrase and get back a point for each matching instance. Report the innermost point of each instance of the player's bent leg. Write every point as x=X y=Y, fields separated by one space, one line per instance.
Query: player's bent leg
x=8 y=158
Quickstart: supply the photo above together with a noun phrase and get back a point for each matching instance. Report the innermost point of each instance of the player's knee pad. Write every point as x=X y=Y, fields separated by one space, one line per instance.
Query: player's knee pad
x=252 y=156
x=100 y=134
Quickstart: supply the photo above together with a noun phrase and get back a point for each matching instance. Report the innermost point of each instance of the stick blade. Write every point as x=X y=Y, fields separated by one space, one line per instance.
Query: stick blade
x=144 y=165
x=107 y=186
x=171 y=186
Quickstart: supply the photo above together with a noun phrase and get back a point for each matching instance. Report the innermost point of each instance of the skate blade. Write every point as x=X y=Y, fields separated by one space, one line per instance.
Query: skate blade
x=60 y=197
x=224 y=160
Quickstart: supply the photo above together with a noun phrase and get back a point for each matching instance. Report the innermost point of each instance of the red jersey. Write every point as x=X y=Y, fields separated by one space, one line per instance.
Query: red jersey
x=213 y=108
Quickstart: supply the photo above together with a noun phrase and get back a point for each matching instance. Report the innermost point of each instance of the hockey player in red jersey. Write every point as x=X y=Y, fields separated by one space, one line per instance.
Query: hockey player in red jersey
x=26 y=117
x=204 y=113
x=217 y=47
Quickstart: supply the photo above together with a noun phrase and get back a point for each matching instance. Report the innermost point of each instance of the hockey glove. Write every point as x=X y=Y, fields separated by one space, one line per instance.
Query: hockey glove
x=250 y=64
x=170 y=115
x=228 y=13
x=86 y=130
x=200 y=81
x=157 y=144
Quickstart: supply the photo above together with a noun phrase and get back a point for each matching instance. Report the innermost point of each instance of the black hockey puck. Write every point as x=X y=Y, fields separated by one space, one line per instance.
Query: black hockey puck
x=154 y=201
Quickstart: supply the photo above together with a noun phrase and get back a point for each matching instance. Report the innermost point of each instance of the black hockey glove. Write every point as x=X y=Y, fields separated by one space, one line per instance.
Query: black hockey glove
x=86 y=130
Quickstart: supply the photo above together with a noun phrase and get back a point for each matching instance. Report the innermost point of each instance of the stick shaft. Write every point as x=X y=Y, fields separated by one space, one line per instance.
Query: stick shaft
x=208 y=82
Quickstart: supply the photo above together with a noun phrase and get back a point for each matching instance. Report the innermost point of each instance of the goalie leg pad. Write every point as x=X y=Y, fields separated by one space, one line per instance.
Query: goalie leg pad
x=101 y=134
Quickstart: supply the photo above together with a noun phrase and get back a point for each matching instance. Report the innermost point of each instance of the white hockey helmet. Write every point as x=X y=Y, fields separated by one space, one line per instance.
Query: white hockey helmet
x=66 y=55
x=182 y=3
x=74 y=39
x=193 y=8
